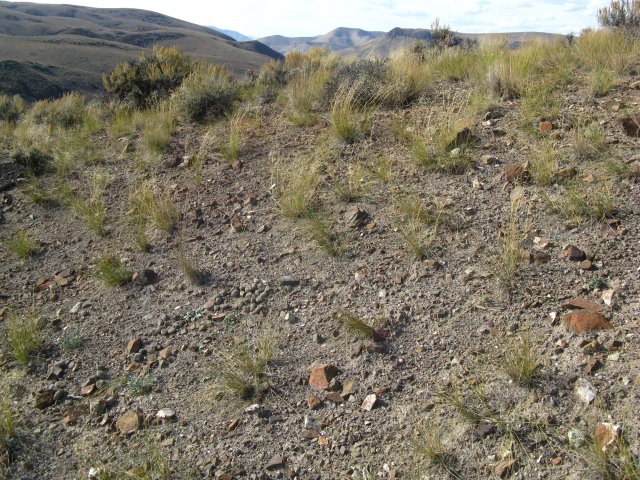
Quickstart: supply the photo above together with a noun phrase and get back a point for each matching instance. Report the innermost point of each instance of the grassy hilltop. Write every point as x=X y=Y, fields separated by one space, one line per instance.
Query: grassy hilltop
x=420 y=267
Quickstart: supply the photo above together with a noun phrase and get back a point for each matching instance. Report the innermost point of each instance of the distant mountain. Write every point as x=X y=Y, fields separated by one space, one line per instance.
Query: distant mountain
x=233 y=34
x=336 y=40
x=363 y=43
x=65 y=47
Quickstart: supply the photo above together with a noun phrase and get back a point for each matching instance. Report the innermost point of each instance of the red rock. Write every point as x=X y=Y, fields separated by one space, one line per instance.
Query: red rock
x=503 y=469
x=165 y=353
x=586 y=321
x=592 y=366
x=573 y=253
x=545 y=126
x=580 y=303
x=321 y=375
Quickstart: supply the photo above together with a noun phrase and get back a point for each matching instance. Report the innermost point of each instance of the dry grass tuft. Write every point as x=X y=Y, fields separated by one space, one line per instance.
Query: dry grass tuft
x=522 y=362
x=23 y=335
x=22 y=244
x=111 y=270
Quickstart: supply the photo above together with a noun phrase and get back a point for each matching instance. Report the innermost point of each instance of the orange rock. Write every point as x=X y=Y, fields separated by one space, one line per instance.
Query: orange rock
x=586 y=321
x=321 y=375
x=606 y=435
x=545 y=127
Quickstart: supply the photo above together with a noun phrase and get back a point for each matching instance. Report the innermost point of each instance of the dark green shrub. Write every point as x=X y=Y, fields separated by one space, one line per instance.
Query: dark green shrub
x=11 y=108
x=208 y=92
x=145 y=82
x=34 y=161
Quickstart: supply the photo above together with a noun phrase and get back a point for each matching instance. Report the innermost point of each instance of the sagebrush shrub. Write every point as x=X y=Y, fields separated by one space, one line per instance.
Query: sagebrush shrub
x=11 y=108
x=208 y=92
x=150 y=79
x=620 y=14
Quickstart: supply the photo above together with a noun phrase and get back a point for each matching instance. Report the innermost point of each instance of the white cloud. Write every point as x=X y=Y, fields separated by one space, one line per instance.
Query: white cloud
x=314 y=17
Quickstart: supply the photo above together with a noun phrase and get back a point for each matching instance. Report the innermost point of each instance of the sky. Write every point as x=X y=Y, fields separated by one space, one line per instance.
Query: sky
x=258 y=18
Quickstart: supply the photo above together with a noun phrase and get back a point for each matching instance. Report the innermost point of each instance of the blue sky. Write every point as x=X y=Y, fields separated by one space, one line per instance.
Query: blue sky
x=259 y=18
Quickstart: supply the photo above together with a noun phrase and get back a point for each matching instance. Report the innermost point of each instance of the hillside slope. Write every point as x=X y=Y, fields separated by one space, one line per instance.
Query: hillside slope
x=80 y=43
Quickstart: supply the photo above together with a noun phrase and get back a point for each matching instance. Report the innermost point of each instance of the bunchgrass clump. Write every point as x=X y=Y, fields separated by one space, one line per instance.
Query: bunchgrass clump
x=428 y=445
x=140 y=385
x=320 y=231
x=507 y=259
x=353 y=187
x=190 y=268
x=148 y=205
x=522 y=362
x=589 y=141
x=111 y=270
x=543 y=164
x=355 y=324
x=23 y=335
x=579 y=203
x=296 y=184
x=241 y=371
x=22 y=244
x=8 y=431
x=616 y=461
x=305 y=96
x=601 y=82
x=233 y=146
x=350 y=116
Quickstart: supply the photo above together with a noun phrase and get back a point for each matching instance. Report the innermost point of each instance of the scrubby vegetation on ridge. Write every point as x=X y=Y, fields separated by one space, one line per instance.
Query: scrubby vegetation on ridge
x=404 y=219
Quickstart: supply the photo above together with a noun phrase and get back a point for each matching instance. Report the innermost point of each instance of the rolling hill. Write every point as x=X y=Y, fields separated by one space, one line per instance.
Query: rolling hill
x=363 y=43
x=69 y=47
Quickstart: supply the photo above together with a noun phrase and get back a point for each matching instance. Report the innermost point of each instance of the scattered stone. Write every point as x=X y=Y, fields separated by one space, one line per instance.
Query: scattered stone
x=580 y=303
x=607 y=297
x=586 y=265
x=631 y=126
x=585 y=391
x=606 y=435
x=73 y=414
x=463 y=137
x=88 y=390
x=503 y=469
x=573 y=253
x=542 y=242
x=144 y=277
x=311 y=423
x=586 y=321
x=55 y=372
x=134 y=346
x=44 y=399
x=513 y=172
x=369 y=402
x=129 y=422
x=334 y=397
x=313 y=402
x=276 y=462
x=310 y=434
x=288 y=281
x=322 y=375
x=486 y=430
x=489 y=160
x=166 y=414
x=237 y=226
x=347 y=389
x=356 y=217
x=76 y=308
x=568 y=172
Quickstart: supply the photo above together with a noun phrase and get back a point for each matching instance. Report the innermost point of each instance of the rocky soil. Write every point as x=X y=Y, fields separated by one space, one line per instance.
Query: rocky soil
x=141 y=373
